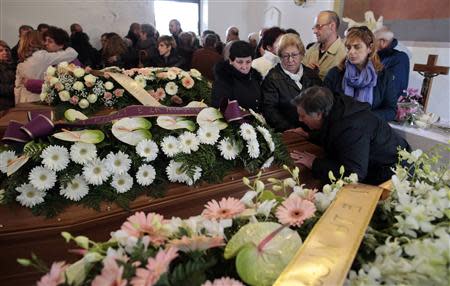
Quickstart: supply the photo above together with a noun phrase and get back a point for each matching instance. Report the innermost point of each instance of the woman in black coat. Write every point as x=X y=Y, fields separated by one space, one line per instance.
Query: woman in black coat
x=235 y=79
x=167 y=55
x=362 y=76
x=7 y=77
x=284 y=82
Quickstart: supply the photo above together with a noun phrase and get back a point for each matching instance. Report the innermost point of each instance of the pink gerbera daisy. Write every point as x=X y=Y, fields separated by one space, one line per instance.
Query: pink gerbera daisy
x=111 y=274
x=155 y=268
x=187 y=82
x=295 y=210
x=151 y=224
x=197 y=243
x=55 y=276
x=226 y=208
x=224 y=281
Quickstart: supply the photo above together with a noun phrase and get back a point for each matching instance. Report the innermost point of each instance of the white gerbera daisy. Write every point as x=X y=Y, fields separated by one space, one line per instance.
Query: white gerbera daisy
x=6 y=158
x=208 y=135
x=175 y=173
x=253 y=148
x=42 y=178
x=122 y=183
x=247 y=131
x=145 y=175
x=95 y=172
x=147 y=149
x=75 y=190
x=29 y=195
x=55 y=157
x=118 y=163
x=169 y=145
x=171 y=88
x=197 y=174
x=228 y=149
x=267 y=136
x=188 y=142
x=83 y=153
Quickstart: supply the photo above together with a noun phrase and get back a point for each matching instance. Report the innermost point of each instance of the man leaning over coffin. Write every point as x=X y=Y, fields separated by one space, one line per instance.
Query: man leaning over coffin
x=350 y=134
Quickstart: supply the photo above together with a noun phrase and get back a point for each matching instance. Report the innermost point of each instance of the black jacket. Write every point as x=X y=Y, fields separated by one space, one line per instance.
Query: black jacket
x=356 y=138
x=7 y=78
x=173 y=60
x=230 y=84
x=278 y=90
x=384 y=93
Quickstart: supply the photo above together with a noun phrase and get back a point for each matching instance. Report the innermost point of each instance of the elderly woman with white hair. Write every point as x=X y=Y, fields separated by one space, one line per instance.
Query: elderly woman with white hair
x=284 y=82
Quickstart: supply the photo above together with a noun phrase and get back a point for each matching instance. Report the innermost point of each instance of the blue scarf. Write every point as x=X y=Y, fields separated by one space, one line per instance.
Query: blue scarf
x=359 y=84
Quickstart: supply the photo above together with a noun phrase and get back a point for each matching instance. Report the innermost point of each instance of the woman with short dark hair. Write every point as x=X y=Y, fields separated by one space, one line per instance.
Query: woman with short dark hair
x=167 y=55
x=236 y=80
x=7 y=77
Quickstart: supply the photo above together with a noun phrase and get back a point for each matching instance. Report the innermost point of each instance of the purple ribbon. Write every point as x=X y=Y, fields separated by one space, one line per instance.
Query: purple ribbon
x=233 y=112
x=41 y=125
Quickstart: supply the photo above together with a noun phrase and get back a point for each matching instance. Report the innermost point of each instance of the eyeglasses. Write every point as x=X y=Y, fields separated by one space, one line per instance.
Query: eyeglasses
x=286 y=57
x=319 y=26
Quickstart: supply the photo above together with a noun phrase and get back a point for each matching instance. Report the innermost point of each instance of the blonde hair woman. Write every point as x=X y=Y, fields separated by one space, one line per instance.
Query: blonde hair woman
x=284 y=82
x=34 y=62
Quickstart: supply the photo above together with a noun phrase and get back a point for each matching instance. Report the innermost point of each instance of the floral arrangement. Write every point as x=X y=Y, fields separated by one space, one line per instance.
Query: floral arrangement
x=252 y=239
x=118 y=161
x=409 y=237
x=231 y=242
x=68 y=86
x=408 y=105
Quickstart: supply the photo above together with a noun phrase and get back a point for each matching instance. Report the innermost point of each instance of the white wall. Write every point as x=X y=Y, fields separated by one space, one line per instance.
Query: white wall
x=99 y=16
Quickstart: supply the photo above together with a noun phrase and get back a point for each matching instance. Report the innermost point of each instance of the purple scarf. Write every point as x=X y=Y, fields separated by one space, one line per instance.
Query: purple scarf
x=359 y=84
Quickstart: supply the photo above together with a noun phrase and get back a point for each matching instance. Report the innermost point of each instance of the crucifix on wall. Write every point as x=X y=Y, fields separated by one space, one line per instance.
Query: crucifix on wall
x=429 y=71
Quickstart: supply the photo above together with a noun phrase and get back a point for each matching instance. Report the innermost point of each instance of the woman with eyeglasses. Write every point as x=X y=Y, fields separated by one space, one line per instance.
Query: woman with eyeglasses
x=236 y=80
x=284 y=82
x=361 y=75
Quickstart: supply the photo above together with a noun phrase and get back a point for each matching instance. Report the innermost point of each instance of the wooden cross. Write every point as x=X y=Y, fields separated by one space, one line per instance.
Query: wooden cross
x=429 y=71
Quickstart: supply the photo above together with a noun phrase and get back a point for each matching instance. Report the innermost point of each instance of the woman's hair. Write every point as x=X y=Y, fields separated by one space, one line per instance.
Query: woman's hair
x=366 y=36
x=29 y=43
x=167 y=40
x=270 y=36
x=60 y=36
x=288 y=40
x=149 y=30
x=5 y=46
x=240 y=49
x=315 y=99
x=114 y=46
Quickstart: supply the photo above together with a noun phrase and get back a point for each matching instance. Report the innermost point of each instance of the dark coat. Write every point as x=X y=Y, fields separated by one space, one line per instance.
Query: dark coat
x=173 y=60
x=204 y=60
x=397 y=63
x=7 y=78
x=356 y=138
x=230 y=85
x=278 y=91
x=384 y=93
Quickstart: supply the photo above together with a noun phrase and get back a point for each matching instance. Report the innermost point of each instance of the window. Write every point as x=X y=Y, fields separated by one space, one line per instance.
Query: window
x=185 y=11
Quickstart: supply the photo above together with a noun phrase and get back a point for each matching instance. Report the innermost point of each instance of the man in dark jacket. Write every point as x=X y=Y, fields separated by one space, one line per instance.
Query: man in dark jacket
x=395 y=61
x=350 y=134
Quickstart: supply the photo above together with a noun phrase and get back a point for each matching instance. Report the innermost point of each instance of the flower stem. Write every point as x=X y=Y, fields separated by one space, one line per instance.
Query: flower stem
x=268 y=238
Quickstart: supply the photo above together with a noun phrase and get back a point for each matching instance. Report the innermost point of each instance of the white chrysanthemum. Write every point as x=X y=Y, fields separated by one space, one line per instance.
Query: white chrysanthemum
x=171 y=75
x=195 y=73
x=188 y=142
x=170 y=146
x=118 y=163
x=253 y=148
x=175 y=173
x=140 y=79
x=95 y=172
x=145 y=175
x=29 y=195
x=197 y=174
x=268 y=137
x=147 y=149
x=6 y=158
x=42 y=178
x=247 y=132
x=83 y=153
x=108 y=85
x=122 y=183
x=208 y=135
x=55 y=157
x=171 y=88
x=228 y=149
x=75 y=190
x=268 y=163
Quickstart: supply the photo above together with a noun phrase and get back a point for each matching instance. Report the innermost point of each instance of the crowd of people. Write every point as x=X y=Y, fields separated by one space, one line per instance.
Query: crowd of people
x=359 y=78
